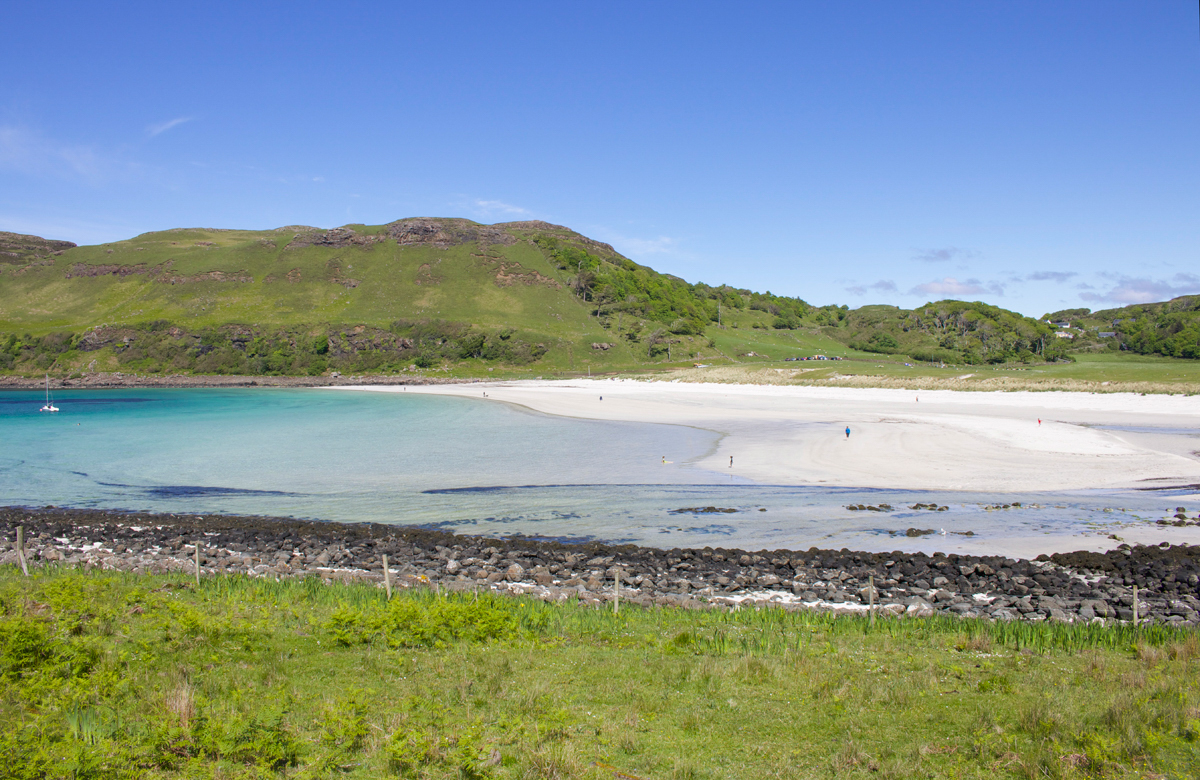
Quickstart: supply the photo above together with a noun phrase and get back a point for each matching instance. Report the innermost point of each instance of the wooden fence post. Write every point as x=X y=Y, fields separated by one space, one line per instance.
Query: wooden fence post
x=1135 y=605
x=197 y=545
x=617 y=593
x=871 y=598
x=21 y=550
x=387 y=578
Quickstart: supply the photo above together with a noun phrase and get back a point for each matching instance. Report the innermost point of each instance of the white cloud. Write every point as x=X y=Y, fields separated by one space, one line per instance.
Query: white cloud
x=162 y=127
x=30 y=153
x=492 y=208
x=944 y=255
x=1051 y=276
x=882 y=286
x=644 y=246
x=954 y=288
x=1129 y=289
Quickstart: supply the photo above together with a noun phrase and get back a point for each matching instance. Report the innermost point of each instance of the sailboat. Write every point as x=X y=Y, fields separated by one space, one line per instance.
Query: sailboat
x=49 y=407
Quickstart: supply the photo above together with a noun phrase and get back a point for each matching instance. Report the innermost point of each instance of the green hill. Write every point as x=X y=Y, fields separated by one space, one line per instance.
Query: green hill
x=441 y=294
x=1170 y=328
x=951 y=332
x=416 y=292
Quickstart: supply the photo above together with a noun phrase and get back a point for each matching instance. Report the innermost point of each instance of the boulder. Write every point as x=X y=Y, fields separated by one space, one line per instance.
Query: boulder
x=919 y=608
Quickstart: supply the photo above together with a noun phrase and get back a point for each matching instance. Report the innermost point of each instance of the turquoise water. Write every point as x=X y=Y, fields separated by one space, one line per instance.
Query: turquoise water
x=464 y=465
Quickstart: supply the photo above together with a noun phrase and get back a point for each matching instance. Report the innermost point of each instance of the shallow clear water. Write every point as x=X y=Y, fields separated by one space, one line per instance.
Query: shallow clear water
x=468 y=466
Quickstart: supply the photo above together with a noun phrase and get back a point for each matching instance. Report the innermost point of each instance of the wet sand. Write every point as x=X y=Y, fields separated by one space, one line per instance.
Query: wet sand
x=900 y=439
x=938 y=440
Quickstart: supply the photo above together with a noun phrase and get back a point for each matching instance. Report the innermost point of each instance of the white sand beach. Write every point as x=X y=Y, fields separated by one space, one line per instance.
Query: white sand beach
x=929 y=440
x=978 y=442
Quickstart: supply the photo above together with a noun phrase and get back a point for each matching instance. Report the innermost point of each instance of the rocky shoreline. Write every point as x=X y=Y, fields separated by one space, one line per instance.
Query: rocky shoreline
x=1071 y=587
x=122 y=380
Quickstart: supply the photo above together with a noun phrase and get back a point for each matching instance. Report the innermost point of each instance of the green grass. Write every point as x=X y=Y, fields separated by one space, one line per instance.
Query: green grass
x=1096 y=372
x=119 y=675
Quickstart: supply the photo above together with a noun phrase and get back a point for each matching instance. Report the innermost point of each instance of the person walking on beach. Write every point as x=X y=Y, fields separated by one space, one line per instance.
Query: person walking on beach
x=847 y=431
x=730 y=461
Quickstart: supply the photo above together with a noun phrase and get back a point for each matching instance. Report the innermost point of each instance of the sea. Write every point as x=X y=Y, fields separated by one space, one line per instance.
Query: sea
x=475 y=466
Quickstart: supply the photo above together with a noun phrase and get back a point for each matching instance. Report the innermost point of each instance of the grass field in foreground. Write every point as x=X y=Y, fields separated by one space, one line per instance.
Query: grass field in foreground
x=107 y=675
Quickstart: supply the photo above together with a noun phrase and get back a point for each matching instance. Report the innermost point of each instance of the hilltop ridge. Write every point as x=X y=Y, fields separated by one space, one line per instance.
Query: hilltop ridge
x=434 y=293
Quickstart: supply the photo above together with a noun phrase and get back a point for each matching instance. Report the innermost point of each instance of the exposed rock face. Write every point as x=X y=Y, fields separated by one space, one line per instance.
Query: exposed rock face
x=446 y=232
x=596 y=247
x=159 y=273
x=1089 y=589
x=89 y=270
x=19 y=249
x=336 y=238
x=418 y=231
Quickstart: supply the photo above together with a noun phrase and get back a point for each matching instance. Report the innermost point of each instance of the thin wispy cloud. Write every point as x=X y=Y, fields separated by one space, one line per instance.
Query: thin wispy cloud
x=645 y=246
x=1130 y=289
x=944 y=255
x=493 y=208
x=162 y=127
x=882 y=286
x=954 y=288
x=31 y=153
x=1051 y=276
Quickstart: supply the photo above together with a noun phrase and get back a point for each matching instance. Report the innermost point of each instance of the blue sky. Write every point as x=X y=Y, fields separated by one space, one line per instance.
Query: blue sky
x=1033 y=155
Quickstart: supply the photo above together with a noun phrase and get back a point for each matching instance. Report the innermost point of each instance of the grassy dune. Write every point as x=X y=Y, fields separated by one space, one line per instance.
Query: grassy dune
x=1091 y=373
x=119 y=675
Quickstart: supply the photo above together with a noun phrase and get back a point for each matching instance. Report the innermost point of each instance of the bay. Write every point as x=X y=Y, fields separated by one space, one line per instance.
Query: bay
x=472 y=466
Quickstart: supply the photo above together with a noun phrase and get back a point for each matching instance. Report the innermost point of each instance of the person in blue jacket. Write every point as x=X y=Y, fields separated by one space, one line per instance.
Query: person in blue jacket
x=847 y=431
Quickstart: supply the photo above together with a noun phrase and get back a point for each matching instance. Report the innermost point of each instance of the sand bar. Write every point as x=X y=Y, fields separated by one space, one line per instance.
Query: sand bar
x=930 y=440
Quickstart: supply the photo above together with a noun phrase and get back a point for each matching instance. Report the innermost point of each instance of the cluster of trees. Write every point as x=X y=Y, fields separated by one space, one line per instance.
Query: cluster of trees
x=618 y=286
x=436 y=341
x=1171 y=328
x=36 y=352
x=951 y=332
x=235 y=349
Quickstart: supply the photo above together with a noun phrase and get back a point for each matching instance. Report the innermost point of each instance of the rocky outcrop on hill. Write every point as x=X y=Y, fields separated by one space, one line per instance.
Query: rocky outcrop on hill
x=19 y=249
x=416 y=231
x=446 y=232
x=336 y=238
x=1069 y=588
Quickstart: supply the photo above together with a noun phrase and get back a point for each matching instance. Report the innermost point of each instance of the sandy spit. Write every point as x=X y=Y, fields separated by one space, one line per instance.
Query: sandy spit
x=927 y=440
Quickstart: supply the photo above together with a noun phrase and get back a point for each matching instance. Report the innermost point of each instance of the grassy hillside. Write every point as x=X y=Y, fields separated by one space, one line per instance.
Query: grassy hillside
x=423 y=293
x=114 y=675
x=524 y=298
x=1170 y=328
